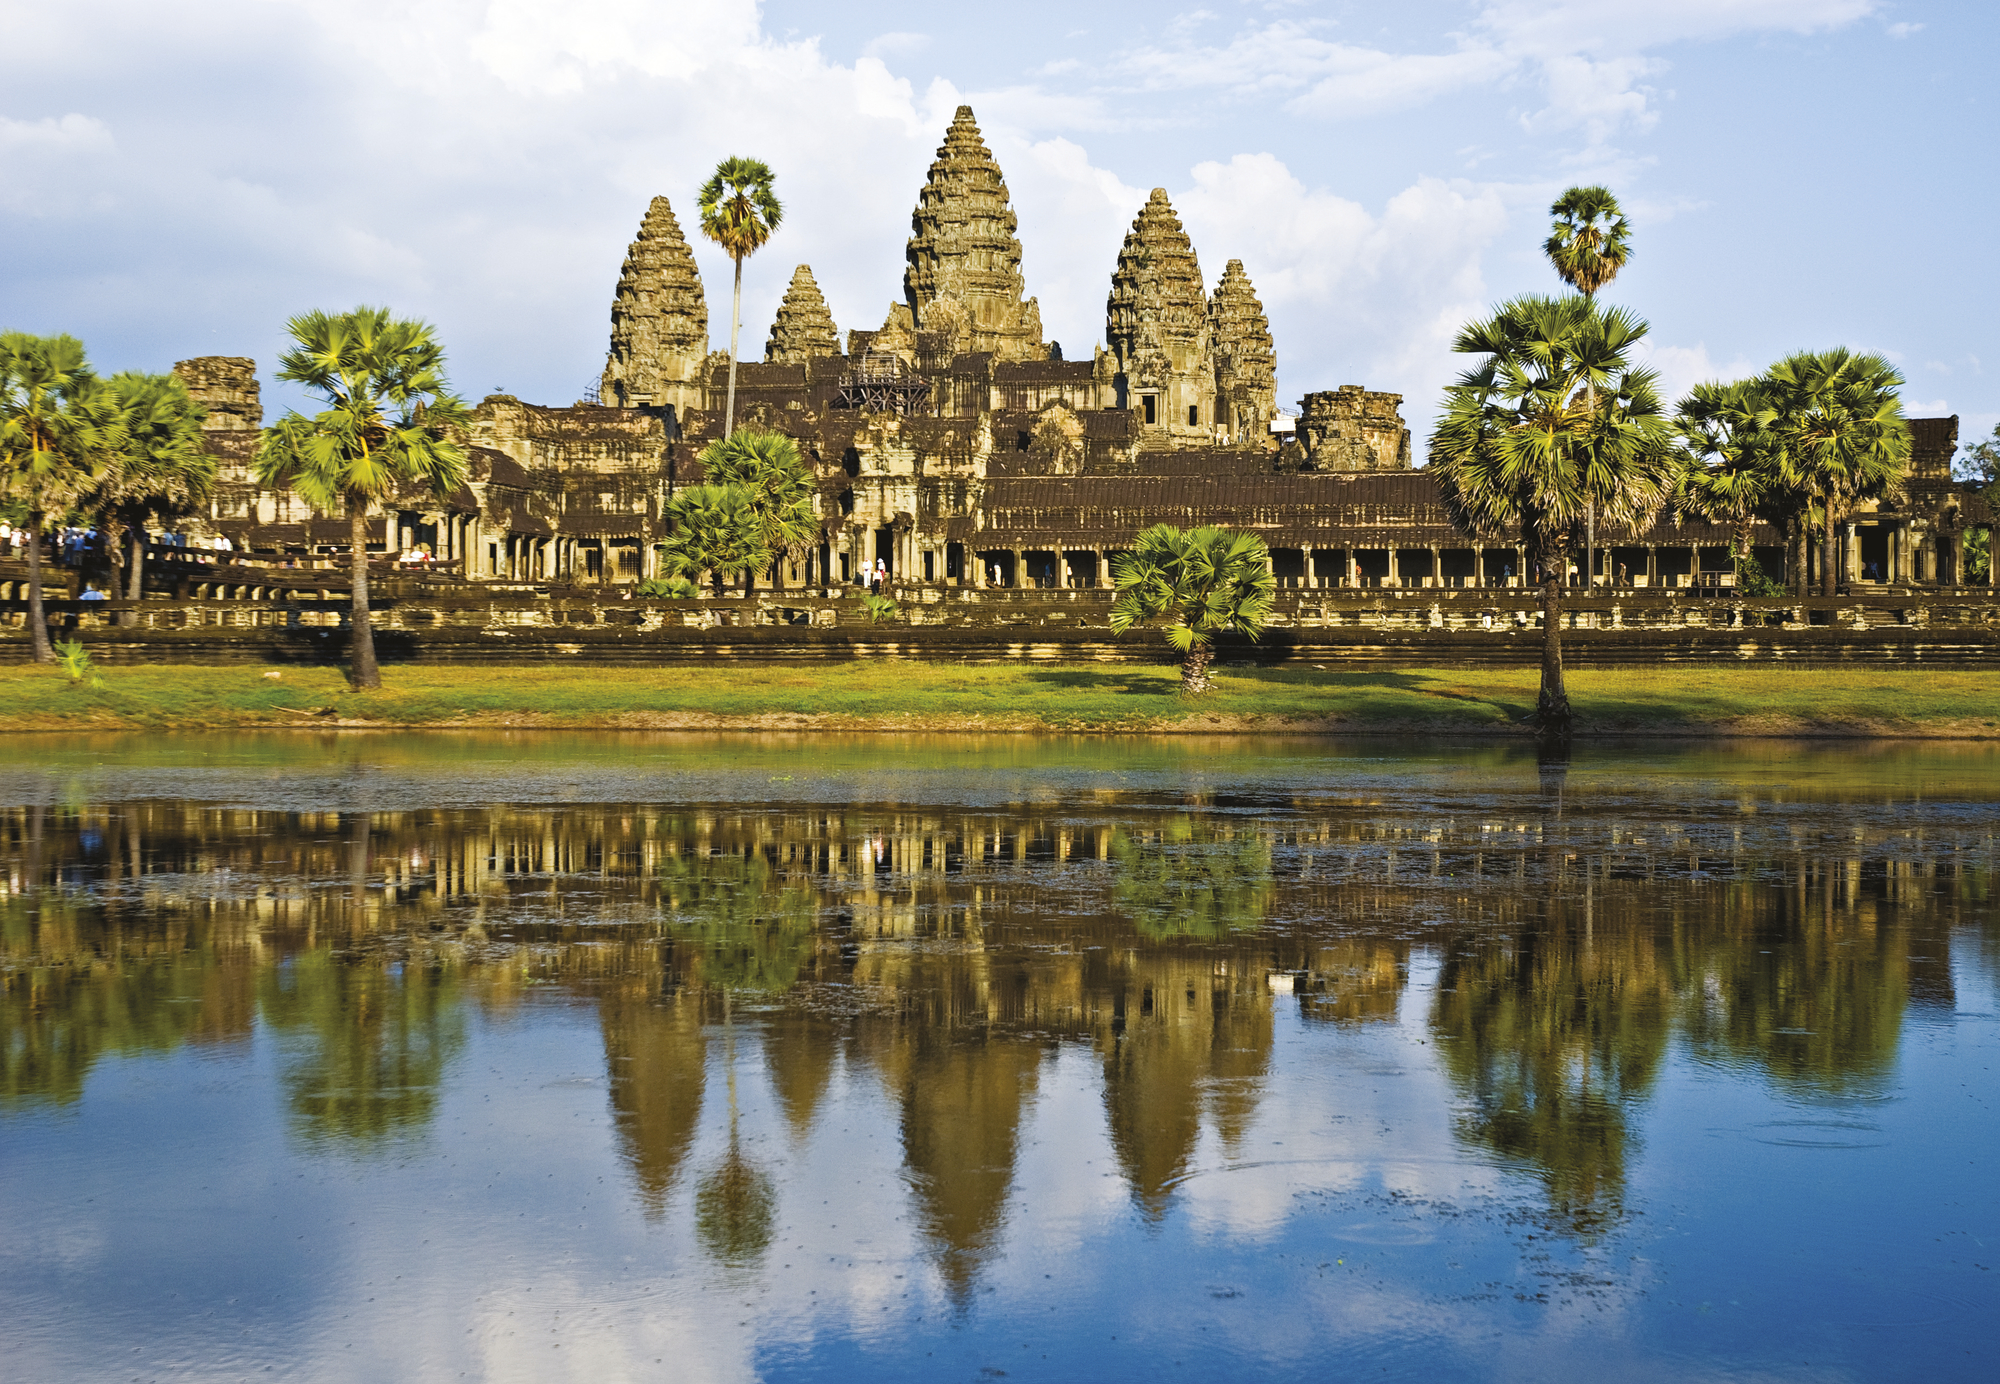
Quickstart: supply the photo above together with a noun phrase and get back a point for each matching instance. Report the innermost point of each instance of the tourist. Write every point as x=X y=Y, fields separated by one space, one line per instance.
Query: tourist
x=881 y=575
x=1624 y=577
x=91 y=593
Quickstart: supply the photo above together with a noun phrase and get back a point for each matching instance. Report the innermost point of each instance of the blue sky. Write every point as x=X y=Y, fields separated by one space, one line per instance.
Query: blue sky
x=177 y=181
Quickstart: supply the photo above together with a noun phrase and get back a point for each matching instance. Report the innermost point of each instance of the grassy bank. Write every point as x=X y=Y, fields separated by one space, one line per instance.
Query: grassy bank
x=936 y=697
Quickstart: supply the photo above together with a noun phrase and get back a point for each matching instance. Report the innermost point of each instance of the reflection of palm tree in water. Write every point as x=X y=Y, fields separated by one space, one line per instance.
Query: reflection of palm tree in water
x=734 y=1204
x=1555 y=1035
x=1192 y=878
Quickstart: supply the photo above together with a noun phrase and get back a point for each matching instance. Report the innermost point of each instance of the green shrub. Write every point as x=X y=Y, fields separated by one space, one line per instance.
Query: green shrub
x=669 y=588
x=880 y=608
x=74 y=659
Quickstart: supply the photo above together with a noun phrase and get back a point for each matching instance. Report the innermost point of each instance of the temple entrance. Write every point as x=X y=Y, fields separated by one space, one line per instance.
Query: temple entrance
x=999 y=567
x=1372 y=564
x=885 y=551
x=1329 y=566
x=1041 y=569
x=1288 y=567
x=1876 y=561
x=1080 y=569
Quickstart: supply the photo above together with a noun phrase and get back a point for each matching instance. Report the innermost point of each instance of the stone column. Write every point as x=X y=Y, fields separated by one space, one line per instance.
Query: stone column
x=1652 y=566
x=1305 y=551
x=1437 y=566
x=1020 y=568
x=1353 y=566
x=1850 y=555
x=1394 y=578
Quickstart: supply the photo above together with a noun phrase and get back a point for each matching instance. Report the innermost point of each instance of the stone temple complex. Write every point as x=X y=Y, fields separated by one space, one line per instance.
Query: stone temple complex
x=957 y=447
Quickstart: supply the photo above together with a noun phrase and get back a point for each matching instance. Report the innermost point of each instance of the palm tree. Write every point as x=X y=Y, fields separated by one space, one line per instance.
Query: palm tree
x=779 y=482
x=1553 y=422
x=1739 y=475
x=1591 y=239
x=1198 y=583
x=58 y=423
x=160 y=471
x=1840 y=421
x=1588 y=245
x=738 y=212
x=391 y=422
x=716 y=530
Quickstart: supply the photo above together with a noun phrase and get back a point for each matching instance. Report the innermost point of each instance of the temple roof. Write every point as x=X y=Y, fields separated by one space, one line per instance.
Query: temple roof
x=659 y=316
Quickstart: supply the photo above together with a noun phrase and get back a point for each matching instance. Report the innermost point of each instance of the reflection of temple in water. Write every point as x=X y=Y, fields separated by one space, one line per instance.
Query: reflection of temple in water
x=945 y=954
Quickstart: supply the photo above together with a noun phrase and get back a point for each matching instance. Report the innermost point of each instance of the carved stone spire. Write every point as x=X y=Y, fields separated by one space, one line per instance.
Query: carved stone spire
x=1156 y=324
x=1246 y=362
x=804 y=328
x=963 y=248
x=659 y=320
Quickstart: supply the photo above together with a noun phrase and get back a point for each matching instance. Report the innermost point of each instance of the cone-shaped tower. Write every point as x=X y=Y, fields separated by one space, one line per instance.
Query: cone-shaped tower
x=659 y=320
x=1156 y=324
x=804 y=328
x=963 y=247
x=1246 y=363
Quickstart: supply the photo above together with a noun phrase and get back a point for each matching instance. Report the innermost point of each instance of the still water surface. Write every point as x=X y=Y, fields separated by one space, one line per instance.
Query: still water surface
x=726 y=1058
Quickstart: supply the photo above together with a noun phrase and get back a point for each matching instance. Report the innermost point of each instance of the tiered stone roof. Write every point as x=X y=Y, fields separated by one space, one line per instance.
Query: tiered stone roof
x=659 y=320
x=963 y=247
x=1246 y=362
x=1156 y=321
x=804 y=327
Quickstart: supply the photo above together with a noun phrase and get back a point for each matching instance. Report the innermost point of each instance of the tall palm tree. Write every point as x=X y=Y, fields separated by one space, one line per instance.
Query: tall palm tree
x=1588 y=245
x=1590 y=241
x=1553 y=421
x=58 y=423
x=1840 y=420
x=716 y=531
x=1738 y=475
x=161 y=470
x=779 y=483
x=738 y=212
x=1198 y=583
x=391 y=423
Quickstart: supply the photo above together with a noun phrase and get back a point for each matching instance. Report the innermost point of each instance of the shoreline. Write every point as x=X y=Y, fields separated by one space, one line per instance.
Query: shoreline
x=888 y=698
x=1762 y=728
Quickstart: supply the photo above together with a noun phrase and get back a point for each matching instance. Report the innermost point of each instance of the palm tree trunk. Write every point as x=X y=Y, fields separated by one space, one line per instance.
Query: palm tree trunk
x=1552 y=713
x=361 y=634
x=38 y=625
x=735 y=321
x=1194 y=671
x=1827 y=580
x=135 y=589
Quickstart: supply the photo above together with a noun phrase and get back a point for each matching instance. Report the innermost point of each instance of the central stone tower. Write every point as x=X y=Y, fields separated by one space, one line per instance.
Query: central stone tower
x=964 y=273
x=1157 y=326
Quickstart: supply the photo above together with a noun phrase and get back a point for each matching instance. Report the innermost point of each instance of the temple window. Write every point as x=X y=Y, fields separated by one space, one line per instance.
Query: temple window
x=1151 y=403
x=1194 y=415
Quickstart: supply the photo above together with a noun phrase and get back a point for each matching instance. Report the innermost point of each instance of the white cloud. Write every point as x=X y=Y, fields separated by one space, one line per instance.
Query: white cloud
x=1681 y=368
x=1372 y=297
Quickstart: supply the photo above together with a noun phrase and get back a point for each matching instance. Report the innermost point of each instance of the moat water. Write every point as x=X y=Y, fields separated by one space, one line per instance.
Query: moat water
x=697 y=1058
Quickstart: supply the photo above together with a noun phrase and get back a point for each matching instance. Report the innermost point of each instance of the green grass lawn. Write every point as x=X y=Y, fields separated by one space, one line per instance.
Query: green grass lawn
x=1009 y=696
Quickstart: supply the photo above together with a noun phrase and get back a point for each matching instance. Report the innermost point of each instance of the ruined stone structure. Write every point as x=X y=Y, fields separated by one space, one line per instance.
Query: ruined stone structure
x=804 y=328
x=956 y=448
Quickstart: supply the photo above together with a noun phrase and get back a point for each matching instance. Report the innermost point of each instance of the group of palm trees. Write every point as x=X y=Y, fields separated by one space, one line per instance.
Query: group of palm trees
x=1557 y=430
x=118 y=454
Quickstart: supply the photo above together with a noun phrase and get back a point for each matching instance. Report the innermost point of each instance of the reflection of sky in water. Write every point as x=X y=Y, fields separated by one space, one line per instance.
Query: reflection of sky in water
x=1277 y=1194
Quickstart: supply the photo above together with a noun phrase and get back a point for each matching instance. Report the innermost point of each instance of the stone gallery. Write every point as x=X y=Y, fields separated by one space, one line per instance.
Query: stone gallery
x=957 y=447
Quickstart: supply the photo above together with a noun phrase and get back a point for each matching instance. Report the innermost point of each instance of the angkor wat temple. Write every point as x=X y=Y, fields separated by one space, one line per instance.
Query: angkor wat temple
x=958 y=447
